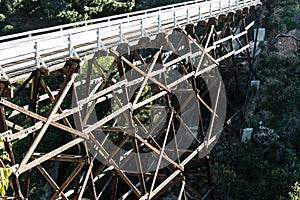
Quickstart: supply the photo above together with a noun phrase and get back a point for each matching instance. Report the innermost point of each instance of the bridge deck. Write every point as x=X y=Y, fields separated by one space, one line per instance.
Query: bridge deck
x=22 y=53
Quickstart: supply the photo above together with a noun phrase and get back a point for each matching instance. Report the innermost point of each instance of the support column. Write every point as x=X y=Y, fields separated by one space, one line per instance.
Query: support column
x=14 y=180
x=33 y=108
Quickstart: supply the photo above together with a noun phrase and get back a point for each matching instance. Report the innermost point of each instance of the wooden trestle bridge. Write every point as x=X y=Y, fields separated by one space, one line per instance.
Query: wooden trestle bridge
x=135 y=101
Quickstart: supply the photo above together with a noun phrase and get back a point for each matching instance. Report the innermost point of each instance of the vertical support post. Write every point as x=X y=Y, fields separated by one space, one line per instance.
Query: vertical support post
x=114 y=186
x=237 y=4
x=32 y=108
x=210 y=9
x=229 y=5
x=8 y=148
x=220 y=5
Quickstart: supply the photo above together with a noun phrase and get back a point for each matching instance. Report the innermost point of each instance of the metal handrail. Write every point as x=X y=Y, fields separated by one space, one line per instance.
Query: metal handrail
x=93 y=21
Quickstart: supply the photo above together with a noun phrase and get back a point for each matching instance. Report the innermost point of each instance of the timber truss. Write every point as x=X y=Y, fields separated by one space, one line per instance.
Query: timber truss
x=131 y=122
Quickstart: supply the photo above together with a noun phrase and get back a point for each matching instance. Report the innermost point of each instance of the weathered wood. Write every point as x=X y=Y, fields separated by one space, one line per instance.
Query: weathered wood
x=49 y=155
x=61 y=157
x=41 y=118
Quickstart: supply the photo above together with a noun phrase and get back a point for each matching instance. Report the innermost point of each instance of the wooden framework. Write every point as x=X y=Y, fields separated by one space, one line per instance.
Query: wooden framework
x=169 y=80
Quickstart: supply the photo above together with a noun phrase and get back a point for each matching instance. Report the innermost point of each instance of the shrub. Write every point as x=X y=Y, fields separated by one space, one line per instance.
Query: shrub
x=295 y=195
x=2 y=17
x=8 y=29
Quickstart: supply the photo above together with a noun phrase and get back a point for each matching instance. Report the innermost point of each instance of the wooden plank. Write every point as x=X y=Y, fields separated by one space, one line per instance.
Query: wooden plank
x=24 y=133
x=61 y=157
x=49 y=155
x=14 y=126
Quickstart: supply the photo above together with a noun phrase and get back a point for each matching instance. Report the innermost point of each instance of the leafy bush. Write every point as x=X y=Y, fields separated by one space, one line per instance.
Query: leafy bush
x=241 y=172
x=7 y=6
x=295 y=195
x=2 y=17
x=71 y=16
x=51 y=8
x=8 y=29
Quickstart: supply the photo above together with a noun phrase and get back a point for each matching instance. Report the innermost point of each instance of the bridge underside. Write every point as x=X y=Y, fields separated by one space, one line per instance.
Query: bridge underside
x=132 y=121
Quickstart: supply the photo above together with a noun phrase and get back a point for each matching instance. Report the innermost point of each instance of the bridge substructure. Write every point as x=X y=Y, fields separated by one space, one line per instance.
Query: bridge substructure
x=138 y=106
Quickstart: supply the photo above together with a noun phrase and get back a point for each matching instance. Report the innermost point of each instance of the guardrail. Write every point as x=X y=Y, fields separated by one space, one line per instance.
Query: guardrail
x=23 y=52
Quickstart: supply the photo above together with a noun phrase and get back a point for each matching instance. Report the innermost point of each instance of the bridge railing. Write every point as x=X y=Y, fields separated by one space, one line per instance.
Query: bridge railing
x=21 y=53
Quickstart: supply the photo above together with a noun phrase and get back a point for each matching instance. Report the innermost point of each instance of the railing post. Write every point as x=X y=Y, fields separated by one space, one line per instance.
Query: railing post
x=142 y=27
x=98 y=39
x=187 y=15
x=220 y=5
x=37 y=55
x=210 y=7
x=175 y=19
x=159 y=22
x=229 y=5
x=237 y=4
x=70 y=46
x=200 y=13
x=121 y=32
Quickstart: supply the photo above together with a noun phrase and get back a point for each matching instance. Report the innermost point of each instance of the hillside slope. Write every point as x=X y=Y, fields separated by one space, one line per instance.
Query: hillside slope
x=267 y=166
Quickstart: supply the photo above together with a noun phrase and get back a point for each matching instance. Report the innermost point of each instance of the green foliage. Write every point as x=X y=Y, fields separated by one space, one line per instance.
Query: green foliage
x=71 y=16
x=2 y=17
x=51 y=8
x=284 y=3
x=5 y=170
x=295 y=195
x=140 y=4
x=117 y=7
x=7 y=6
x=4 y=182
x=105 y=62
x=241 y=171
x=8 y=28
x=28 y=6
x=281 y=79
